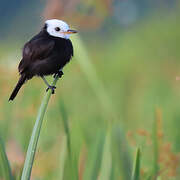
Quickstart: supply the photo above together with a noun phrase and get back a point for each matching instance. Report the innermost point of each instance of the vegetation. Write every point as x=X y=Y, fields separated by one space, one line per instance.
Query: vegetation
x=117 y=95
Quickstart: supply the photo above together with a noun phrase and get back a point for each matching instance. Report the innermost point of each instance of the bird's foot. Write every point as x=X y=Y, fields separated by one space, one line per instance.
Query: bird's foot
x=52 y=88
x=59 y=74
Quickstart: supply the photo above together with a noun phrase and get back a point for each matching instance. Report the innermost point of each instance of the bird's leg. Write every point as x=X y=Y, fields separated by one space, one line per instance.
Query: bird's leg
x=59 y=73
x=49 y=86
x=43 y=78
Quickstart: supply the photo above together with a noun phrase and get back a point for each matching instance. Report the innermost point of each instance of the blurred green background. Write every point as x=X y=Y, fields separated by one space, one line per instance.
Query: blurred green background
x=124 y=79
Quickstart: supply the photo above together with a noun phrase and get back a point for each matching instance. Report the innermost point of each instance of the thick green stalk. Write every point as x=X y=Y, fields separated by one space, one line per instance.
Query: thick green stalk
x=26 y=174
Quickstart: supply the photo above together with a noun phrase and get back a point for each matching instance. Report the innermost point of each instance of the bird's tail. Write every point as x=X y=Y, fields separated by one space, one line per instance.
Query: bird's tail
x=21 y=81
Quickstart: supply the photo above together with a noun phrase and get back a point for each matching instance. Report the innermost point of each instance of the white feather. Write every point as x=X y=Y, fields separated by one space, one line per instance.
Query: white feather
x=52 y=24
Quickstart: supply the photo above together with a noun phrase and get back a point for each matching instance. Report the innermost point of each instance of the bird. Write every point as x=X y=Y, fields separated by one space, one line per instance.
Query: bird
x=45 y=54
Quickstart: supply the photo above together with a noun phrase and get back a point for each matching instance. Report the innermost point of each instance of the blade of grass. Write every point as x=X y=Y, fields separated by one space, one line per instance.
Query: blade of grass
x=71 y=170
x=26 y=174
x=112 y=175
x=62 y=157
x=65 y=124
x=152 y=177
x=106 y=166
x=95 y=158
x=149 y=177
x=120 y=152
x=5 y=163
x=136 y=170
x=72 y=158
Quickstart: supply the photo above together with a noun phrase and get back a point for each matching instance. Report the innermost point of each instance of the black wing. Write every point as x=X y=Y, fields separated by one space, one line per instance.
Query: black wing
x=36 y=49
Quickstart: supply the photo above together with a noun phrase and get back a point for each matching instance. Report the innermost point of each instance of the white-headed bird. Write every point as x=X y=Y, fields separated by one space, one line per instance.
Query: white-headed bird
x=46 y=53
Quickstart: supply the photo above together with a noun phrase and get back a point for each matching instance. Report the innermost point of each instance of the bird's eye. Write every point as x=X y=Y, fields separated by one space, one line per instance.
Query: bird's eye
x=57 y=29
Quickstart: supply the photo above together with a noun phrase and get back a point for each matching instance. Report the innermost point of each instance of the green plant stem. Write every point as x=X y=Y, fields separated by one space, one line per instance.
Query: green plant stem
x=26 y=174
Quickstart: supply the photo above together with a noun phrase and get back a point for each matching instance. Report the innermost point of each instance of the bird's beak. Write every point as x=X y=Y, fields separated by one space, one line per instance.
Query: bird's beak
x=70 y=31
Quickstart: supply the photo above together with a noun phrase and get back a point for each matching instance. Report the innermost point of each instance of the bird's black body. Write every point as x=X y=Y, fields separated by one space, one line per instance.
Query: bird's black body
x=43 y=55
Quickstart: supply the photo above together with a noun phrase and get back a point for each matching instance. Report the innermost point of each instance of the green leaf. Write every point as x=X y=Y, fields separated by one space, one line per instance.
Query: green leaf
x=66 y=126
x=121 y=154
x=149 y=177
x=72 y=159
x=95 y=158
x=62 y=159
x=106 y=167
x=5 y=163
x=136 y=170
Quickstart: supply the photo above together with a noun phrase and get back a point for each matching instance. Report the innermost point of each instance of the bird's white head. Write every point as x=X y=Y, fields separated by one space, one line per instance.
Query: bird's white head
x=58 y=28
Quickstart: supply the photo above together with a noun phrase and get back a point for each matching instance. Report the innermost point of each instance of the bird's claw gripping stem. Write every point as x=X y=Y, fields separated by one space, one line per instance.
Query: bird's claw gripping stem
x=59 y=74
x=52 y=88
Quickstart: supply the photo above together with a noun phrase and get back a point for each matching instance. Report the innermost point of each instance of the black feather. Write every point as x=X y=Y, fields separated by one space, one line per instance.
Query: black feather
x=21 y=81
